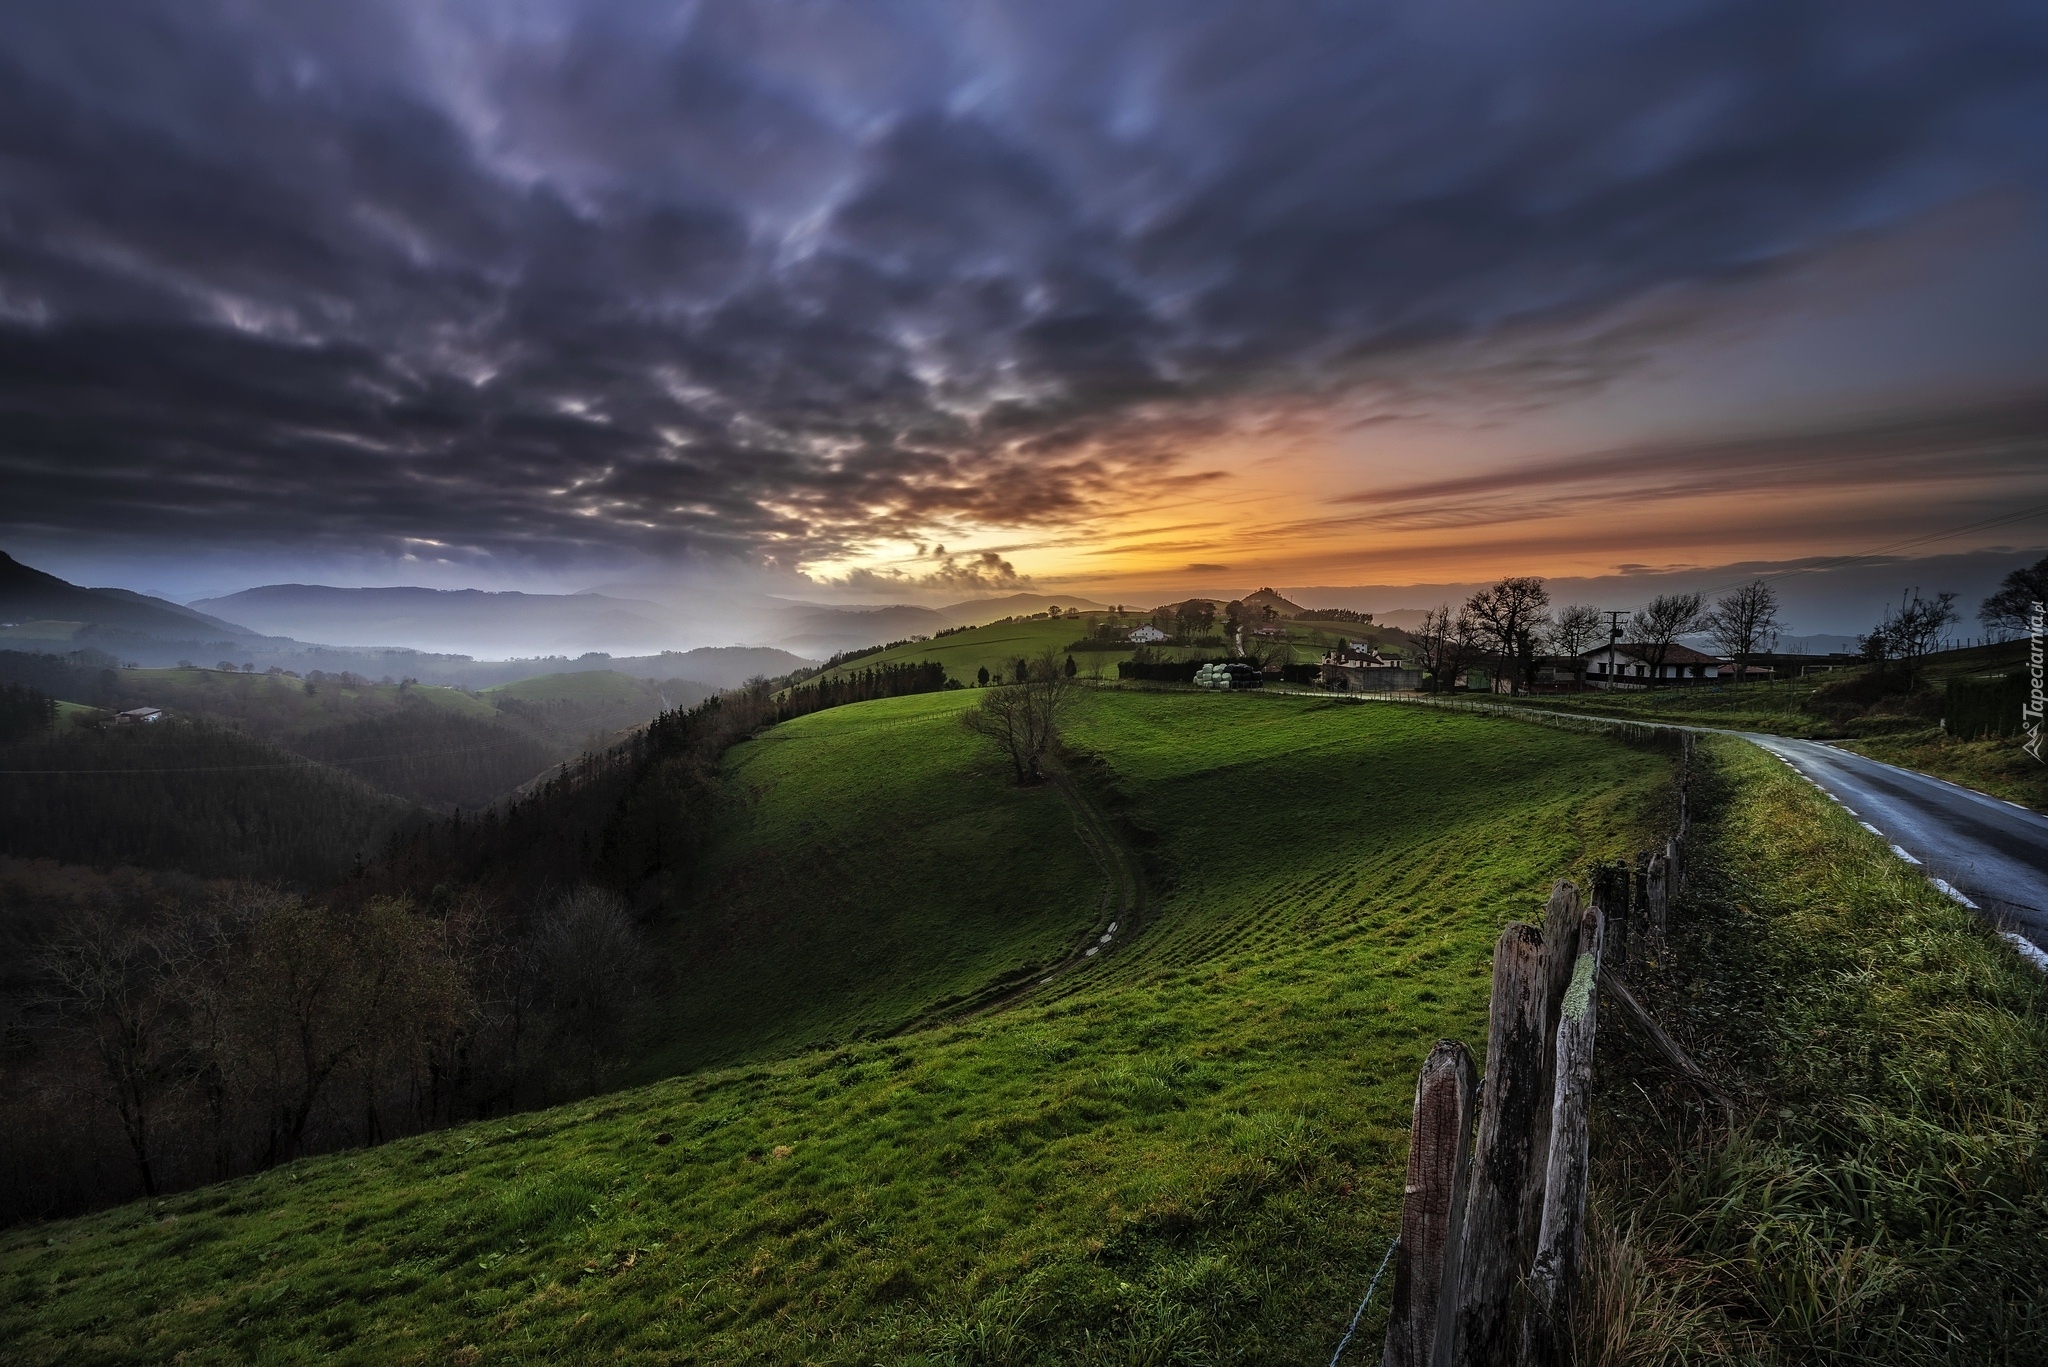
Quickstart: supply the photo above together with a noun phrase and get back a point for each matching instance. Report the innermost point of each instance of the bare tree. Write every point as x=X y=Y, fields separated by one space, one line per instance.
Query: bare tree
x=107 y=985
x=1507 y=615
x=590 y=957
x=1574 y=630
x=1447 y=642
x=1914 y=629
x=1657 y=625
x=1023 y=720
x=1744 y=623
x=2009 y=611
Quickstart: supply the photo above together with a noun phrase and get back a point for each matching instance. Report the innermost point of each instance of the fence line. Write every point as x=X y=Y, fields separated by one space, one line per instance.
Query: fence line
x=1493 y=1215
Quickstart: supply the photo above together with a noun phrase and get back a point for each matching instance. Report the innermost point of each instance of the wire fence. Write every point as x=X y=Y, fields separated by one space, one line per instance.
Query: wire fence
x=1359 y=1313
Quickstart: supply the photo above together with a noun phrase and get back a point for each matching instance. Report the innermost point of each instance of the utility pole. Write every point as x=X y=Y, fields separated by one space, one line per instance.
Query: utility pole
x=1614 y=620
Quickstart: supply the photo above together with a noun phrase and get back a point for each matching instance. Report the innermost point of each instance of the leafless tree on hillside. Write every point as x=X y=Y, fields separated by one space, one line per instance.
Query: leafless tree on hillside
x=1914 y=628
x=106 y=987
x=1657 y=625
x=1744 y=623
x=2009 y=612
x=1023 y=719
x=1508 y=614
x=589 y=953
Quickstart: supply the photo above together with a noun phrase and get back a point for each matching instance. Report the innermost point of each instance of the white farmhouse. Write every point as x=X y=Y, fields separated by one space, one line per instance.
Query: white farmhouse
x=1625 y=664
x=1146 y=635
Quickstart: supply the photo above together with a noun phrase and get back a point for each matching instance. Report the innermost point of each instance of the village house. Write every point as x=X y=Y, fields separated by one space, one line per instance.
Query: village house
x=1626 y=664
x=1363 y=669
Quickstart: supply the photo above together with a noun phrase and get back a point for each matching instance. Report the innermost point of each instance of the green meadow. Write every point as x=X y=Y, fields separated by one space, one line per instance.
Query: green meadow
x=997 y=648
x=1186 y=1148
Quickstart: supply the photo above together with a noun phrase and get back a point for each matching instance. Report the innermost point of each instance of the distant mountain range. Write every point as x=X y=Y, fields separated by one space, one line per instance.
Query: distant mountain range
x=474 y=637
x=28 y=596
x=467 y=621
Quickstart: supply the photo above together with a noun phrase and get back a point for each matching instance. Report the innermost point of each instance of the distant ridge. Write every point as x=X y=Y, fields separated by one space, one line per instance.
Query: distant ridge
x=29 y=595
x=979 y=611
x=471 y=621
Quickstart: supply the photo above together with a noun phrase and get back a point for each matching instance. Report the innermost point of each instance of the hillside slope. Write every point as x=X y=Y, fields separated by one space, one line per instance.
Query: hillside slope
x=1191 y=1148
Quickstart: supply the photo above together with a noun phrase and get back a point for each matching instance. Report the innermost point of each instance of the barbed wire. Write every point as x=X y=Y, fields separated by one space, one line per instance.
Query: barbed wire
x=1357 y=1314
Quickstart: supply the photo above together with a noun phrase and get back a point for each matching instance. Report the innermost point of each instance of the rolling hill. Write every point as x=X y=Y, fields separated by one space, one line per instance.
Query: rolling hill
x=28 y=594
x=1192 y=1138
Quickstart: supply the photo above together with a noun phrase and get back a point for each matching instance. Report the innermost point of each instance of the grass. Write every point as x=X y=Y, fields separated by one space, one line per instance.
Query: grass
x=1191 y=1149
x=1995 y=765
x=875 y=864
x=596 y=685
x=1885 y=1196
x=996 y=648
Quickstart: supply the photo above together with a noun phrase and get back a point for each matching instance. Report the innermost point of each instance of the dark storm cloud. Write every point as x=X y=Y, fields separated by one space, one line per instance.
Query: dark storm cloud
x=778 y=279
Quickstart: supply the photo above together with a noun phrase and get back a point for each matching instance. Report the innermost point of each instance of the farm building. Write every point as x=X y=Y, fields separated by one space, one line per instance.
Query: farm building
x=1362 y=669
x=1146 y=635
x=1627 y=665
x=139 y=716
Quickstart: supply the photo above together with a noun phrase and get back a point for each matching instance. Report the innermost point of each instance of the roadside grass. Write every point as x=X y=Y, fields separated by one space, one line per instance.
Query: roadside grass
x=1884 y=1198
x=1190 y=1150
x=1995 y=765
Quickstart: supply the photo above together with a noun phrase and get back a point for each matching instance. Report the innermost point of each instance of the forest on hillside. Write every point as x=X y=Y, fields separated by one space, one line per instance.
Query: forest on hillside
x=440 y=748
x=238 y=976
x=195 y=797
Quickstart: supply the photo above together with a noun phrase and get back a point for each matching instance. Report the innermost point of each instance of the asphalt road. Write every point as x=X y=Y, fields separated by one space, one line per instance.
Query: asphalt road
x=1991 y=852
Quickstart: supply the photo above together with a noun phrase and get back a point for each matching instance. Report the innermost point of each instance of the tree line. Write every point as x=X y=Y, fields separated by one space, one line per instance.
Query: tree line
x=191 y=1040
x=190 y=796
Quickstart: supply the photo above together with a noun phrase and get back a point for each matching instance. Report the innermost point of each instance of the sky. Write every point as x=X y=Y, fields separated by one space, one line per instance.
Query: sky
x=920 y=301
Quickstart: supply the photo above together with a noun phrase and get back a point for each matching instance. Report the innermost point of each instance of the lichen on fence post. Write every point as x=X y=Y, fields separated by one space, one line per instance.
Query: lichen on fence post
x=1560 y=1238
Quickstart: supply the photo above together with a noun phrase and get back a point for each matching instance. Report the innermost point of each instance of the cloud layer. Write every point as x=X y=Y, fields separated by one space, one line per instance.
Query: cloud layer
x=784 y=281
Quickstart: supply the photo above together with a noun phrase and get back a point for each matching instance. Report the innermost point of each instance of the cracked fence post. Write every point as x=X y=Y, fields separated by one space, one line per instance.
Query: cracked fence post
x=1560 y=953
x=1433 y=1206
x=1657 y=895
x=1500 y=1216
x=1561 y=1237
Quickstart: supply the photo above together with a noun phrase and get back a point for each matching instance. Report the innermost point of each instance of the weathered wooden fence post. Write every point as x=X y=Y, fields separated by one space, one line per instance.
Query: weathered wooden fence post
x=1433 y=1206
x=1561 y=1235
x=1560 y=952
x=1657 y=896
x=1501 y=1219
x=1610 y=894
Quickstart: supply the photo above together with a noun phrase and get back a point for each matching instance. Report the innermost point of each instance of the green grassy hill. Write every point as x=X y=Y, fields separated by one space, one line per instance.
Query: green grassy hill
x=998 y=646
x=1186 y=1148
